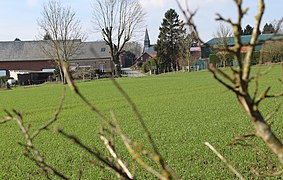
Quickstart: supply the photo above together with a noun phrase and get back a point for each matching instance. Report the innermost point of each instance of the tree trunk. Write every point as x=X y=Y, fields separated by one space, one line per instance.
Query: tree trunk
x=263 y=130
x=118 y=70
x=62 y=78
x=117 y=64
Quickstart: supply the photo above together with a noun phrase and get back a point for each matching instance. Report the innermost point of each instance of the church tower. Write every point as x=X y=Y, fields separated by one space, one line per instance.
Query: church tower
x=146 y=41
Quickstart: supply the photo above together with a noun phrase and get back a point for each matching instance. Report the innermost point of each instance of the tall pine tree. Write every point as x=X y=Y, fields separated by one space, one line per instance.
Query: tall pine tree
x=170 y=41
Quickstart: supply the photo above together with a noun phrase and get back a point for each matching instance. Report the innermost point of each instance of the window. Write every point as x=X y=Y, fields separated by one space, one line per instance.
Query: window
x=48 y=70
x=3 y=73
x=101 y=67
x=103 y=49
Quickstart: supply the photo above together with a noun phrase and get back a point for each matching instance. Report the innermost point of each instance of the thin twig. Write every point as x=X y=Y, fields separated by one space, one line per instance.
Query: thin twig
x=75 y=89
x=115 y=156
x=228 y=86
x=256 y=89
x=95 y=153
x=260 y=74
x=135 y=155
x=189 y=15
x=243 y=142
x=276 y=174
x=239 y=138
x=225 y=161
x=53 y=119
x=6 y=120
x=270 y=116
x=39 y=160
x=145 y=128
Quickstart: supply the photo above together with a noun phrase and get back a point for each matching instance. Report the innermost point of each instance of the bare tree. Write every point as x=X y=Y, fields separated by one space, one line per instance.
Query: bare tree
x=241 y=79
x=134 y=47
x=118 y=21
x=64 y=33
x=272 y=52
x=223 y=31
x=223 y=36
x=277 y=24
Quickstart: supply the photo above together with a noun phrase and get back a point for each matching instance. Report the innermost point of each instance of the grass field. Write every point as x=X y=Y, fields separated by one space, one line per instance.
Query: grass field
x=182 y=110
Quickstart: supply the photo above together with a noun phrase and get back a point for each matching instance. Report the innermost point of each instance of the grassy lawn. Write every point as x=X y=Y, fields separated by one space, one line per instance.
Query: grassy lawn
x=182 y=110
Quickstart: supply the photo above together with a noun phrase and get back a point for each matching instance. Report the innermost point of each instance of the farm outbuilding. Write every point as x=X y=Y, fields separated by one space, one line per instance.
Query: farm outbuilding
x=29 y=56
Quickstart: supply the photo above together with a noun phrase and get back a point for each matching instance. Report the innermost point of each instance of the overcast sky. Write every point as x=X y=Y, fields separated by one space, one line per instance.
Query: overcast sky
x=19 y=17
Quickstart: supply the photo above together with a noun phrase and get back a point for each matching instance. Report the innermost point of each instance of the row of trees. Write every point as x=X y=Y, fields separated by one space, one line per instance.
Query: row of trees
x=117 y=20
x=174 y=43
x=268 y=28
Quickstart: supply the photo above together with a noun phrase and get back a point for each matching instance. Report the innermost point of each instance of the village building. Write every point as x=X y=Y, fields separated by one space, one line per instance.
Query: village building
x=211 y=52
x=28 y=56
x=148 y=50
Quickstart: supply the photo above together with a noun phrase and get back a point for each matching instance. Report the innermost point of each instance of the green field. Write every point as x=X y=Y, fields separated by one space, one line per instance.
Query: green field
x=182 y=110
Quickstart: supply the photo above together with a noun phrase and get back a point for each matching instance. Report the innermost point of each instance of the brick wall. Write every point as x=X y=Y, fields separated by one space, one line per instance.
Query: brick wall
x=27 y=65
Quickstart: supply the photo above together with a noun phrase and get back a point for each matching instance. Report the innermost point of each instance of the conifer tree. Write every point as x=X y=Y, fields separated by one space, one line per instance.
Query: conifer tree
x=268 y=29
x=248 y=30
x=170 y=41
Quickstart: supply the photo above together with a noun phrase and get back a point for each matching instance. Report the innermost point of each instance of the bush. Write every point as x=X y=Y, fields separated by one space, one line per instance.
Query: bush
x=3 y=81
x=151 y=64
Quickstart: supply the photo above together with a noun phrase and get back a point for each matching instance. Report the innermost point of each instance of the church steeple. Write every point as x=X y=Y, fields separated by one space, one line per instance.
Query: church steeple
x=146 y=40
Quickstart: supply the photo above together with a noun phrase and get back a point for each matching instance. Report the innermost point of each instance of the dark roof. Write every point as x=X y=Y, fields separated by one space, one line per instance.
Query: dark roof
x=21 y=50
x=146 y=37
x=96 y=49
x=231 y=41
x=31 y=51
x=150 y=50
x=245 y=39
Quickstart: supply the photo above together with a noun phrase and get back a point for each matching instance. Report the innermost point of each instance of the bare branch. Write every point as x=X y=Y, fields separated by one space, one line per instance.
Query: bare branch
x=130 y=145
x=276 y=174
x=115 y=156
x=221 y=18
x=7 y=119
x=256 y=79
x=225 y=161
x=247 y=63
x=275 y=95
x=53 y=119
x=270 y=116
x=260 y=74
x=75 y=89
x=239 y=138
x=141 y=120
x=136 y=156
x=32 y=151
x=262 y=96
x=214 y=72
x=224 y=75
x=95 y=153
x=189 y=15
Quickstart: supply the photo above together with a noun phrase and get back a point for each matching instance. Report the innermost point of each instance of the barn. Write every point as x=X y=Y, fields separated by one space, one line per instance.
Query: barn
x=29 y=56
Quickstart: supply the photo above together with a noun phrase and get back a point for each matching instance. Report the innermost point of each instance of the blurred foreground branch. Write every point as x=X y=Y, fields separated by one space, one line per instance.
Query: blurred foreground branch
x=239 y=81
